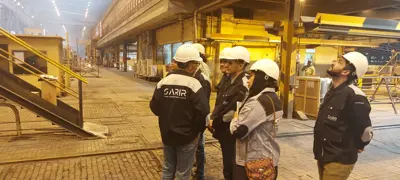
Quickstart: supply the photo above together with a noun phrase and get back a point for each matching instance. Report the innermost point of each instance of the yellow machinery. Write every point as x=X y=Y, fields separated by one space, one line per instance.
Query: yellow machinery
x=330 y=32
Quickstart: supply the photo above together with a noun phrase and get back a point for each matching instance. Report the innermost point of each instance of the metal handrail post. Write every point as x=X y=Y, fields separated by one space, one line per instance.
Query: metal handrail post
x=80 y=123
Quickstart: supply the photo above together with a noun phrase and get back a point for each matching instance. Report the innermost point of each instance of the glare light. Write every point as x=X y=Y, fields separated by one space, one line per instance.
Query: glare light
x=33 y=17
x=64 y=28
x=83 y=31
x=18 y=3
x=56 y=8
x=87 y=10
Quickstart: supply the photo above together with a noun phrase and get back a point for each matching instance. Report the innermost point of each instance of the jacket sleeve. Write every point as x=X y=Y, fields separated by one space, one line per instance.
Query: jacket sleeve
x=250 y=117
x=155 y=103
x=207 y=89
x=362 y=124
x=201 y=109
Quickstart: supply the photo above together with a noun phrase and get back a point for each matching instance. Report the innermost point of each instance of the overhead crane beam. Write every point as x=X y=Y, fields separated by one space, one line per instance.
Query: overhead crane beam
x=272 y=41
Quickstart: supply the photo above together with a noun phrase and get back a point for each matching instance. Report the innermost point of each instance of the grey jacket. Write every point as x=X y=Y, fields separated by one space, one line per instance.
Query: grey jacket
x=258 y=128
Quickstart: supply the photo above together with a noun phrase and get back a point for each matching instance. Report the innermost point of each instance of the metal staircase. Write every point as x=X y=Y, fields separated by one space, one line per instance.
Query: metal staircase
x=28 y=96
x=21 y=93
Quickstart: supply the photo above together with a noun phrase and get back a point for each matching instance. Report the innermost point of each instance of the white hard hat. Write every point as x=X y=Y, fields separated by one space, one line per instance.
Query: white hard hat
x=186 y=53
x=239 y=52
x=268 y=66
x=199 y=48
x=359 y=61
x=224 y=53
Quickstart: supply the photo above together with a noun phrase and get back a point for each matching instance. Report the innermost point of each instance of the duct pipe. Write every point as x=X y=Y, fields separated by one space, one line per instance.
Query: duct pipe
x=205 y=7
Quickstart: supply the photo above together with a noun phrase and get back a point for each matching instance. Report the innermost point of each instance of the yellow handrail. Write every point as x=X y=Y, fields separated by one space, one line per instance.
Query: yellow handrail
x=37 y=70
x=41 y=55
x=26 y=69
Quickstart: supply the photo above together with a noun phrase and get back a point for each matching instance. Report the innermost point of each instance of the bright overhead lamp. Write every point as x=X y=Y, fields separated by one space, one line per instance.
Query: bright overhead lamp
x=56 y=8
x=18 y=3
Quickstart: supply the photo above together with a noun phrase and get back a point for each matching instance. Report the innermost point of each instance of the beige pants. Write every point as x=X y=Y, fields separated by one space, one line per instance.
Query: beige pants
x=335 y=171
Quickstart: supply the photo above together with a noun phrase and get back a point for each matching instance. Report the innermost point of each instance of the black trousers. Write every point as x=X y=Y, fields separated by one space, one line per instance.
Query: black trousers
x=228 y=156
x=239 y=173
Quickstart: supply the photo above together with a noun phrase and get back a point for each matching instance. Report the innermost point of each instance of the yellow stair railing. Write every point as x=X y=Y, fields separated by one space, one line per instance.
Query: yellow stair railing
x=67 y=89
x=78 y=95
x=41 y=55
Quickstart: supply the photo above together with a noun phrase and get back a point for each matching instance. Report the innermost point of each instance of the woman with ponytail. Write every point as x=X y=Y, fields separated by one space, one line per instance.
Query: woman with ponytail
x=256 y=123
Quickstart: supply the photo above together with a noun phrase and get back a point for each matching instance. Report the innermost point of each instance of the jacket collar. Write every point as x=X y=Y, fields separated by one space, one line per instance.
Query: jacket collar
x=181 y=72
x=238 y=78
x=268 y=90
x=340 y=88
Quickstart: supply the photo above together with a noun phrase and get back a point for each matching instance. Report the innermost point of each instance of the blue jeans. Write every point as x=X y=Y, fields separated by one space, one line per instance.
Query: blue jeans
x=178 y=161
x=200 y=158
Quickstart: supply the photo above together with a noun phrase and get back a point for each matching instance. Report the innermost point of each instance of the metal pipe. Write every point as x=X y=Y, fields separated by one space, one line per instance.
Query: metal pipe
x=17 y=117
x=195 y=16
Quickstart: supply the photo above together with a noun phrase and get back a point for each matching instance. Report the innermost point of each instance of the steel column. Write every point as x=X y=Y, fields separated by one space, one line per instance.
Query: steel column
x=288 y=60
x=125 y=57
x=117 y=55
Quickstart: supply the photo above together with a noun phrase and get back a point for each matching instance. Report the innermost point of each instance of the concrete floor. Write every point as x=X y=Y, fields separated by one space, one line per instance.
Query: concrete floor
x=133 y=147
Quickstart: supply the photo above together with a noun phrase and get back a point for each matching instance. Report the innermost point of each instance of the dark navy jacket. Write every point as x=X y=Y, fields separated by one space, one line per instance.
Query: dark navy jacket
x=181 y=105
x=343 y=125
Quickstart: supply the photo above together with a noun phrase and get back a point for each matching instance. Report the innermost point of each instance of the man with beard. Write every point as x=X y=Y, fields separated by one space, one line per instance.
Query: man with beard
x=343 y=127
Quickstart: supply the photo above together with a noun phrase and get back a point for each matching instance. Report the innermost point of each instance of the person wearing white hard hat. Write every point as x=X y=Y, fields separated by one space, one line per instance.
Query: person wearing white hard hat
x=226 y=104
x=203 y=75
x=205 y=70
x=222 y=66
x=181 y=105
x=256 y=123
x=343 y=127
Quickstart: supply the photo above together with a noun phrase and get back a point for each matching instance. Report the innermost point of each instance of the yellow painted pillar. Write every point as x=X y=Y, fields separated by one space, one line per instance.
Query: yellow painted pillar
x=288 y=60
x=340 y=51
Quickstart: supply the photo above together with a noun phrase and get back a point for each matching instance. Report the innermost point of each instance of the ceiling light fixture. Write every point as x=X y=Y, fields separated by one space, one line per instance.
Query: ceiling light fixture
x=56 y=8
x=83 y=31
x=87 y=10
